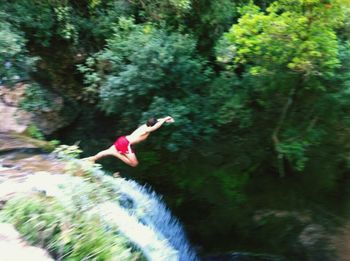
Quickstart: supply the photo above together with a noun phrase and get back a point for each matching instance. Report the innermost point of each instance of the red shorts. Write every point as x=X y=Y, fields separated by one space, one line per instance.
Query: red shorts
x=123 y=145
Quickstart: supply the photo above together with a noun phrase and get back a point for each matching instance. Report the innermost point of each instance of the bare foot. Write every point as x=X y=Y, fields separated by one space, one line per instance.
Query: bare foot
x=116 y=174
x=91 y=159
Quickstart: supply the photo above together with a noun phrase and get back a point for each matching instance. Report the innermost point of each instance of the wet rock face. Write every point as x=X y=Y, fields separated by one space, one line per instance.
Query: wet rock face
x=17 y=120
x=19 y=159
x=17 y=171
x=9 y=141
x=12 y=246
x=13 y=119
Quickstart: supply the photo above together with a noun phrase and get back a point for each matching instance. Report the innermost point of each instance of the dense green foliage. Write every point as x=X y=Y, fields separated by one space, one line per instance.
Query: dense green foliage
x=291 y=54
x=13 y=55
x=36 y=99
x=257 y=89
x=133 y=71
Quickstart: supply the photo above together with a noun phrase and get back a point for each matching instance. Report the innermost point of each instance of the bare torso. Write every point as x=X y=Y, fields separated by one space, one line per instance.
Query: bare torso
x=140 y=134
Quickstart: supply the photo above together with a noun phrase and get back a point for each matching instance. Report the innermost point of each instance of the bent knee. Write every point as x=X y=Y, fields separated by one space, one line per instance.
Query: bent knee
x=134 y=164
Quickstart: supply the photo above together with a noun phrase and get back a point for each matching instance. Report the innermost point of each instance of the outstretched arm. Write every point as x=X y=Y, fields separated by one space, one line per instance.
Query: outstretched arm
x=159 y=123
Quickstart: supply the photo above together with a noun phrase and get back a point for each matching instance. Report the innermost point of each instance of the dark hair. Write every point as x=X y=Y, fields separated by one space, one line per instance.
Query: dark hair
x=151 y=121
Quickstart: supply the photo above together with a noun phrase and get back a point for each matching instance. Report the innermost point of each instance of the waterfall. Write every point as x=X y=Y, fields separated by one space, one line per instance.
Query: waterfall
x=157 y=217
x=153 y=217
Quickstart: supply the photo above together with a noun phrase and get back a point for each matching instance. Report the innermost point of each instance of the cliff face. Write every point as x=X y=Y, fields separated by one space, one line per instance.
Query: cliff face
x=15 y=119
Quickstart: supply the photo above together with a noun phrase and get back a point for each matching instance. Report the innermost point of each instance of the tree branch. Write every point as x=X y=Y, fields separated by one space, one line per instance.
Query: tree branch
x=277 y=129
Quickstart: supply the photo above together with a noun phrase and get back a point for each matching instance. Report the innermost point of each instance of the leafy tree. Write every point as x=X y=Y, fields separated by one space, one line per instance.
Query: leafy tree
x=14 y=59
x=36 y=99
x=296 y=34
x=62 y=33
x=289 y=53
x=147 y=71
x=160 y=11
x=208 y=20
x=36 y=20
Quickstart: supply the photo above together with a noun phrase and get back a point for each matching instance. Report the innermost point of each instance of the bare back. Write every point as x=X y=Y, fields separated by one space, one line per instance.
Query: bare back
x=138 y=135
x=142 y=132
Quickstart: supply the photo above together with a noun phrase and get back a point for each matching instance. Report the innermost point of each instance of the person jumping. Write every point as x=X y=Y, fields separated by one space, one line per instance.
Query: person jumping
x=122 y=147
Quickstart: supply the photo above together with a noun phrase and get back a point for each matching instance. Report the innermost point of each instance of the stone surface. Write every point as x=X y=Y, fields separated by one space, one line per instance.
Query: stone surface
x=13 y=179
x=17 y=163
x=32 y=164
x=9 y=141
x=17 y=120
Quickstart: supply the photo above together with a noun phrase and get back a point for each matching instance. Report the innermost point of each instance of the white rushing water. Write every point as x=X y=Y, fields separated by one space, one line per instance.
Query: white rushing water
x=145 y=206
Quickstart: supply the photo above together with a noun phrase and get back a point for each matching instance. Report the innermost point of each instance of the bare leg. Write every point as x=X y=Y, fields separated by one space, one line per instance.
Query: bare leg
x=102 y=154
x=129 y=159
